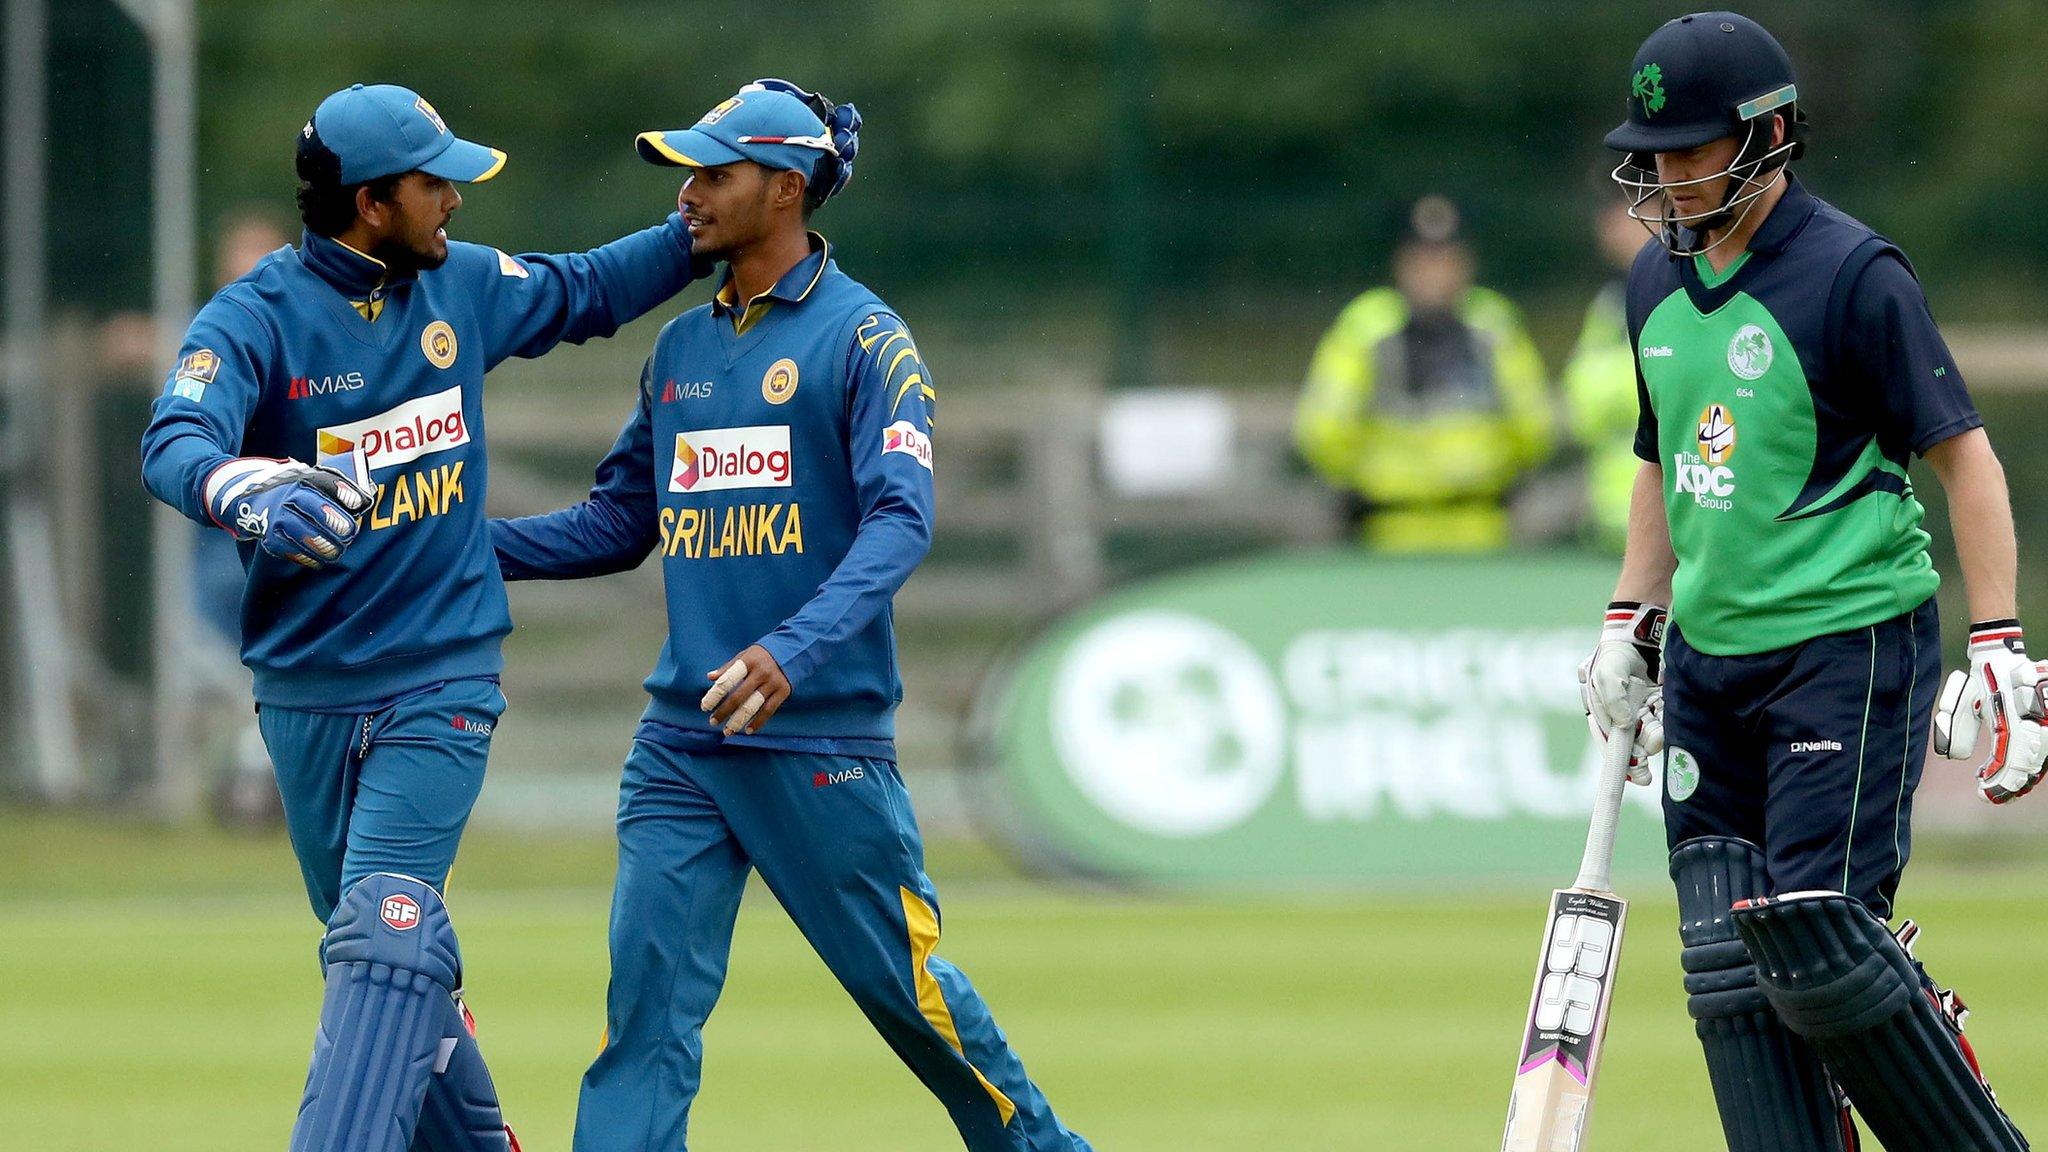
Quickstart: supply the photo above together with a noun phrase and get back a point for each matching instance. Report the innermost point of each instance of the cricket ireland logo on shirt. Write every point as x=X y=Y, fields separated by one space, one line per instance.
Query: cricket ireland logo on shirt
x=1704 y=474
x=1750 y=352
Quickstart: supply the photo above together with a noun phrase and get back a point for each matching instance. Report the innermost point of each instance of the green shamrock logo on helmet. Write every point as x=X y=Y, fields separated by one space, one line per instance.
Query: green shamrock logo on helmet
x=1648 y=86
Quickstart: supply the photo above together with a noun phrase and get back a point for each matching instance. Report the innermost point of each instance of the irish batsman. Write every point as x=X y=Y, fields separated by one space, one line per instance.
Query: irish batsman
x=1787 y=370
x=780 y=461
x=327 y=411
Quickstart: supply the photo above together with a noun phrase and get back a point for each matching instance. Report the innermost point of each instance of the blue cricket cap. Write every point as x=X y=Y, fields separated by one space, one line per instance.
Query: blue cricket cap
x=379 y=130
x=773 y=129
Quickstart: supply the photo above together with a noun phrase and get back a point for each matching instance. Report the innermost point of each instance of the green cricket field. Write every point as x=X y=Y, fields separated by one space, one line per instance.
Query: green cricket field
x=158 y=990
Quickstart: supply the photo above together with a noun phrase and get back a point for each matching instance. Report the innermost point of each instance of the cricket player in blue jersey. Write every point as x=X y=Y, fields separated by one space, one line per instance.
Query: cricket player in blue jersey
x=780 y=460
x=373 y=612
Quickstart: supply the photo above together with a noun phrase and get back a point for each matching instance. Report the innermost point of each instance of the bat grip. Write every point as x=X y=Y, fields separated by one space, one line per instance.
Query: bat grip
x=1598 y=862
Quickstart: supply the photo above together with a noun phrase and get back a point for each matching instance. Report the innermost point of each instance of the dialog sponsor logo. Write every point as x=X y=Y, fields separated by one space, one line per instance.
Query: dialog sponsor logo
x=715 y=459
x=903 y=436
x=403 y=434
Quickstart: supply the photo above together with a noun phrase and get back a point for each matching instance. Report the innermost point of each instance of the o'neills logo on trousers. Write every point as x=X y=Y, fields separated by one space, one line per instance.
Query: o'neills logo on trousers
x=403 y=434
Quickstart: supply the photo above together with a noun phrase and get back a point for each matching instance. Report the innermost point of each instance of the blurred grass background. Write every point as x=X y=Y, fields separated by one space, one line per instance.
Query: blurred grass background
x=159 y=988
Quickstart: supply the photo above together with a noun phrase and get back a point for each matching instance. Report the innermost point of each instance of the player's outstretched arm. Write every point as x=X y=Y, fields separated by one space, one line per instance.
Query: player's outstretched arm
x=533 y=301
x=612 y=530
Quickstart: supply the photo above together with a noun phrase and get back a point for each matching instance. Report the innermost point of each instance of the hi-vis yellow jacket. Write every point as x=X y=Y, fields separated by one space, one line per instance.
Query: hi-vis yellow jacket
x=1432 y=467
x=1600 y=394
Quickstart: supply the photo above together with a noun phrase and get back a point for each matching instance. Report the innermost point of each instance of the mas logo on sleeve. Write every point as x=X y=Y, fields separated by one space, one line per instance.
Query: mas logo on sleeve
x=903 y=436
x=438 y=343
x=509 y=266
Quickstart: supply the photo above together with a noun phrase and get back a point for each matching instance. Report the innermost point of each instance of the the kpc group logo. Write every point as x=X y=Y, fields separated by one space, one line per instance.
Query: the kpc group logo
x=1717 y=434
x=1170 y=723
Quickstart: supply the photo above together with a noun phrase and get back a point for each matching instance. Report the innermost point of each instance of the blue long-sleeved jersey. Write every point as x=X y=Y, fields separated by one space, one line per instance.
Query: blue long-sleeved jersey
x=318 y=352
x=780 y=461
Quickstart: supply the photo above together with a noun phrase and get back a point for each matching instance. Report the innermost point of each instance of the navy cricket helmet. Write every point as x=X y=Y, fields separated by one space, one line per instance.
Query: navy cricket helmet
x=1697 y=79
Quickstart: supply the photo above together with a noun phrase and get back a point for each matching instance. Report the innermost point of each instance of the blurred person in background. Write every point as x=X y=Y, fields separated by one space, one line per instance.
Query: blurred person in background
x=1600 y=385
x=1426 y=401
x=245 y=792
x=373 y=614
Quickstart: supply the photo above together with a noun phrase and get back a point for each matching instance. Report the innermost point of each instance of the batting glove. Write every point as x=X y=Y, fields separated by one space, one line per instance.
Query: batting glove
x=1620 y=681
x=291 y=510
x=1999 y=692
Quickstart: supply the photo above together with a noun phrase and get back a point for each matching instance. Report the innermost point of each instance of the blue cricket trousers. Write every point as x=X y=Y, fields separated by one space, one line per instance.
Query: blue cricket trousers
x=834 y=839
x=385 y=790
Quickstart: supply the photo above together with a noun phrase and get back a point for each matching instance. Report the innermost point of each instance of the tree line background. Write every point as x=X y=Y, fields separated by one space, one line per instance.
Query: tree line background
x=1172 y=190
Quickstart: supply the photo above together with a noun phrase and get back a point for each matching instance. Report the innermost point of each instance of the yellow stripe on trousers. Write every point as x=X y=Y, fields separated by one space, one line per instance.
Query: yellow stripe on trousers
x=924 y=939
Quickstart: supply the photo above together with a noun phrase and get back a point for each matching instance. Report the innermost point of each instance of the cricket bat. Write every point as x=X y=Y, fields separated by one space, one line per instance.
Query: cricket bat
x=1560 y=1051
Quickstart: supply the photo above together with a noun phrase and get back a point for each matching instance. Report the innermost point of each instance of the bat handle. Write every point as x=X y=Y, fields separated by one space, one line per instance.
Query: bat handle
x=1598 y=862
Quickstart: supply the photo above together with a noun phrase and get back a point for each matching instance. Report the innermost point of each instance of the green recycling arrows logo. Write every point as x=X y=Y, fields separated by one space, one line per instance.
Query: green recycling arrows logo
x=1648 y=86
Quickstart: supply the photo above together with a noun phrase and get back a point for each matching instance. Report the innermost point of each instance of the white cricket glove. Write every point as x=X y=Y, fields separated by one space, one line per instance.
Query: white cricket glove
x=1622 y=680
x=1999 y=692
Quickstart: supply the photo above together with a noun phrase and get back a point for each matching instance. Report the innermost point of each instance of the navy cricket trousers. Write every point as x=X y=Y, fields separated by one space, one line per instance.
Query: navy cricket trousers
x=1810 y=752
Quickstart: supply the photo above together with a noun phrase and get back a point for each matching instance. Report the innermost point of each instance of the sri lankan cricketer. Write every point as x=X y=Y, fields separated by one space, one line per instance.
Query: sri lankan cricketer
x=780 y=461
x=1788 y=368
x=373 y=613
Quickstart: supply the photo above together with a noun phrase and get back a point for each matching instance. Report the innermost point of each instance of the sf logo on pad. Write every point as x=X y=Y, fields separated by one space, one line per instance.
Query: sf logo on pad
x=400 y=913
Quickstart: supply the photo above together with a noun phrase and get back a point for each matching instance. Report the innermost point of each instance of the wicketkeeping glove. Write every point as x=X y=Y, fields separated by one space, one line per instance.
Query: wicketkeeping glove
x=1621 y=679
x=291 y=510
x=842 y=128
x=1999 y=692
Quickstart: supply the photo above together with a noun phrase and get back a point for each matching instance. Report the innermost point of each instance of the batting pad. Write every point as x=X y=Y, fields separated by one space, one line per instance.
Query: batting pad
x=1839 y=979
x=392 y=969
x=1772 y=1091
x=461 y=1112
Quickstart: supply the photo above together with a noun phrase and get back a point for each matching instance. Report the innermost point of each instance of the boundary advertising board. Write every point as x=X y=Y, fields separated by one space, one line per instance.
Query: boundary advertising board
x=1312 y=719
